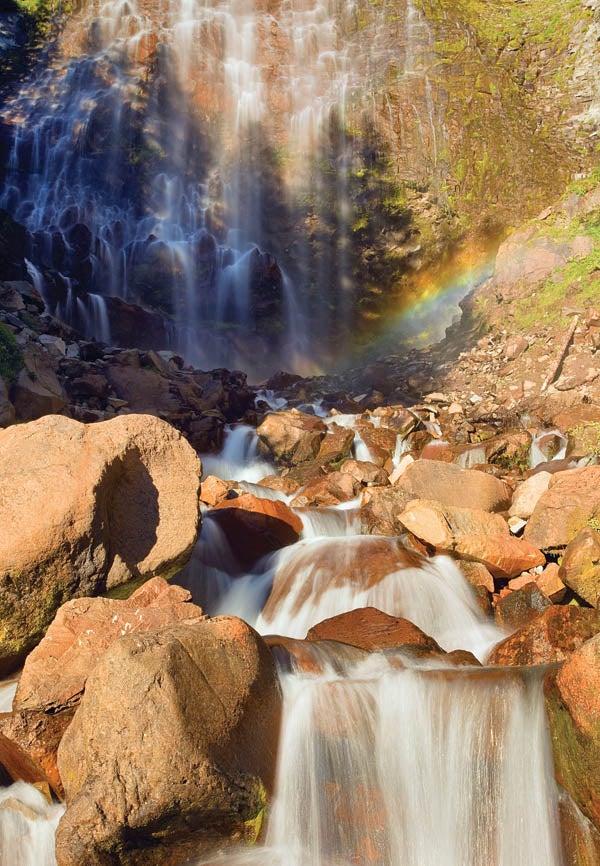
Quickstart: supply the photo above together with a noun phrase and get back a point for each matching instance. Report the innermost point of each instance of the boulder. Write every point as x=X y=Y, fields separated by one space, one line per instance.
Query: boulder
x=292 y=437
x=29 y=742
x=56 y=671
x=528 y=494
x=504 y=555
x=85 y=509
x=212 y=691
x=37 y=391
x=550 y=584
x=451 y=485
x=366 y=473
x=477 y=575
x=442 y=526
x=371 y=629
x=256 y=526
x=573 y=707
x=471 y=534
x=380 y=442
x=328 y=490
x=580 y=566
x=518 y=608
x=550 y=637
x=571 y=501
x=336 y=445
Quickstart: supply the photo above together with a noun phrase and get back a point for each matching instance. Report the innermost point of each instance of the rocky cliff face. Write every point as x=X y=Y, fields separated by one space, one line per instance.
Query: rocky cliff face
x=359 y=147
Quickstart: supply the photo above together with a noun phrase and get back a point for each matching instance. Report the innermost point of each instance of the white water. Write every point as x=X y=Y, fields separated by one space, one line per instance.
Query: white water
x=239 y=459
x=384 y=760
x=27 y=826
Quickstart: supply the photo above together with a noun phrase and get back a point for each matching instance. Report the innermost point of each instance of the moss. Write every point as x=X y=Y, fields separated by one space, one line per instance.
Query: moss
x=11 y=357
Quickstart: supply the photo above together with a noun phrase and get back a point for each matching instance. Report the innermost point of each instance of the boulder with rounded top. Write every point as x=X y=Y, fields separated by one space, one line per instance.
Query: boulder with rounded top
x=172 y=751
x=85 y=509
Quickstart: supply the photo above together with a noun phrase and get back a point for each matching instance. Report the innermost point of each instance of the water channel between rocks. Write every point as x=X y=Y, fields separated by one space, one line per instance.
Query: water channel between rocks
x=383 y=759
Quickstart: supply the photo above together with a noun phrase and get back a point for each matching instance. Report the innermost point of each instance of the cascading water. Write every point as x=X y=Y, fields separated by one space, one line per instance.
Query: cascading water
x=384 y=759
x=198 y=158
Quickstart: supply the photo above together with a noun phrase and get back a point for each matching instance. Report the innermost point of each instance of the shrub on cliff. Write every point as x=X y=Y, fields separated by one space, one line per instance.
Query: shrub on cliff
x=11 y=358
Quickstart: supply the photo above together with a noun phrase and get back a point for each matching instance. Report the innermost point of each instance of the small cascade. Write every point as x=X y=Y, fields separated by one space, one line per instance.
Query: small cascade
x=320 y=578
x=239 y=459
x=27 y=826
x=339 y=521
x=7 y=693
x=547 y=445
x=470 y=757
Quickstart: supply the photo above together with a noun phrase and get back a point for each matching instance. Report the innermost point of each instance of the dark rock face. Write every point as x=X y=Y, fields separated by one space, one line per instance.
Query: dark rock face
x=132 y=797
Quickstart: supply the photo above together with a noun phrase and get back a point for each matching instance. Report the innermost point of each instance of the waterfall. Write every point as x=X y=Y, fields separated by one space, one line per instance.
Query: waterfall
x=207 y=159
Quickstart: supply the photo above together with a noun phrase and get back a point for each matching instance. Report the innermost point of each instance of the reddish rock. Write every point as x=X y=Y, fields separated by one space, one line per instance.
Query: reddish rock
x=438 y=451
x=371 y=629
x=551 y=637
x=257 y=526
x=580 y=566
x=504 y=555
x=518 y=608
x=367 y=474
x=442 y=526
x=528 y=494
x=572 y=499
x=213 y=490
x=329 y=490
x=56 y=671
x=86 y=509
x=282 y=483
x=550 y=584
x=580 y=839
x=477 y=575
x=451 y=485
x=292 y=437
x=573 y=706
x=173 y=747
x=380 y=441
x=308 y=656
x=336 y=444
x=29 y=743
x=362 y=562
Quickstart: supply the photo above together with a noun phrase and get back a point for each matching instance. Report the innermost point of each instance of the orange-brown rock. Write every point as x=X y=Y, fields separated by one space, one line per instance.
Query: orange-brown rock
x=442 y=526
x=571 y=501
x=518 y=608
x=580 y=566
x=282 y=483
x=368 y=474
x=292 y=437
x=256 y=526
x=528 y=494
x=551 y=637
x=477 y=575
x=371 y=629
x=580 y=839
x=550 y=584
x=504 y=555
x=214 y=490
x=308 y=656
x=451 y=485
x=56 y=671
x=336 y=444
x=380 y=441
x=29 y=743
x=85 y=508
x=573 y=706
x=173 y=748
x=328 y=490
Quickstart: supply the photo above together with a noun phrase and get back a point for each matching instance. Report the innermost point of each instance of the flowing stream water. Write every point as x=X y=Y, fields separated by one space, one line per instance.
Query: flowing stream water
x=384 y=759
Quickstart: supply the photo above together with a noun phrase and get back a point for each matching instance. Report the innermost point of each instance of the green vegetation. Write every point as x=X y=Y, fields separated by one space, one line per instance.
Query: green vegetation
x=576 y=285
x=11 y=359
